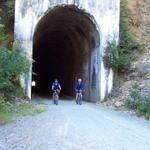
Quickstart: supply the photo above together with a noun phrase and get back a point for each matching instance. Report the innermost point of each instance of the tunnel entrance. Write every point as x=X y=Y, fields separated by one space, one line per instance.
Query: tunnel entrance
x=63 y=43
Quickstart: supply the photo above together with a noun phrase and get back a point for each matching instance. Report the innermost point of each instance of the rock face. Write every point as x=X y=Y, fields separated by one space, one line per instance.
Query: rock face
x=139 y=19
x=140 y=27
x=105 y=15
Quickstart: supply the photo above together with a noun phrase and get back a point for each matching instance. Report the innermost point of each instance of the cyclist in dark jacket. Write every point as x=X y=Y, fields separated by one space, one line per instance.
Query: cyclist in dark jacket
x=56 y=91
x=79 y=88
x=56 y=86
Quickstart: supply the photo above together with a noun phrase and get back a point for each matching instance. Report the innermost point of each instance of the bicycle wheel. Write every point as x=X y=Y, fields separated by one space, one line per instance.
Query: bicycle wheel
x=56 y=100
x=77 y=100
x=53 y=98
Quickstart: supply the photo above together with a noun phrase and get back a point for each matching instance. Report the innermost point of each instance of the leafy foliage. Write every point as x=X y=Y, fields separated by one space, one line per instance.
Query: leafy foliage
x=136 y=101
x=7 y=10
x=4 y=104
x=3 y=36
x=10 y=5
x=13 y=63
x=119 y=57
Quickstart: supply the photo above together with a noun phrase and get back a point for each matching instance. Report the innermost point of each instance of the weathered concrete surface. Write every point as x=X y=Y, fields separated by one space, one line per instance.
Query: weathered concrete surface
x=105 y=12
x=74 y=127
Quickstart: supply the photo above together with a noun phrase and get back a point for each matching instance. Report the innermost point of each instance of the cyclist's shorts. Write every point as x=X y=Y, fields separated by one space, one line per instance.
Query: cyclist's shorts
x=78 y=90
x=57 y=90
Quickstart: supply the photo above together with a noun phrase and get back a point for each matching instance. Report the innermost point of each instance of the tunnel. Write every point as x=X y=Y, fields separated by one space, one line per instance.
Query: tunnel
x=63 y=42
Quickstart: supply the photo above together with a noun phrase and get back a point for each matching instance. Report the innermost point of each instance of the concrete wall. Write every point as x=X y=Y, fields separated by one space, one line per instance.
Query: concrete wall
x=105 y=12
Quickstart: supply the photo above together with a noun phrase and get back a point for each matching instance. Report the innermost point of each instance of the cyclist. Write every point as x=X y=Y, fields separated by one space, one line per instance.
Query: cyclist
x=79 y=88
x=56 y=87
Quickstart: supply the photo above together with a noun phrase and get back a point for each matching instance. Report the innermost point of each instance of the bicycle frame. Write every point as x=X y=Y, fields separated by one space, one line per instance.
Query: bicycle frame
x=79 y=97
x=55 y=97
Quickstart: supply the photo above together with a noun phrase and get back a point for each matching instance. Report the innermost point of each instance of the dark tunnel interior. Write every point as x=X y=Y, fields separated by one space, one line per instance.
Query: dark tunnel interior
x=62 y=43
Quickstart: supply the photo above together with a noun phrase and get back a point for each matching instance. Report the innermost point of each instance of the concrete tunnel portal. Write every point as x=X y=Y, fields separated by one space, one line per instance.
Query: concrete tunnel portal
x=63 y=43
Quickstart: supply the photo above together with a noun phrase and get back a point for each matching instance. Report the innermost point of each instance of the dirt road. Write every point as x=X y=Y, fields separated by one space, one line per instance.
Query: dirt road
x=73 y=127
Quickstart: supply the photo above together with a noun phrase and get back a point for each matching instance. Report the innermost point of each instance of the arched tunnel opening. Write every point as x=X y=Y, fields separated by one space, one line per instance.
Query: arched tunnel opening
x=63 y=42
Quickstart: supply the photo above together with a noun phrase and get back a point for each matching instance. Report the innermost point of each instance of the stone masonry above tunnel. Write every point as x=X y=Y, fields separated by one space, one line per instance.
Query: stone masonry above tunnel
x=32 y=18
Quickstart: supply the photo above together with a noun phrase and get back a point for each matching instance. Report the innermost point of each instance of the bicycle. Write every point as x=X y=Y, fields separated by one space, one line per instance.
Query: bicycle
x=79 y=97
x=55 y=97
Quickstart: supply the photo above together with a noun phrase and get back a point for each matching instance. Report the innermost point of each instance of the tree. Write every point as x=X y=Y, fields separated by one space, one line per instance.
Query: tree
x=13 y=63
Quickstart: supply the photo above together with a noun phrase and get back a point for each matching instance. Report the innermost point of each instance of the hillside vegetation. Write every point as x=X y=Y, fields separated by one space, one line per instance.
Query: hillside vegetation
x=13 y=63
x=131 y=91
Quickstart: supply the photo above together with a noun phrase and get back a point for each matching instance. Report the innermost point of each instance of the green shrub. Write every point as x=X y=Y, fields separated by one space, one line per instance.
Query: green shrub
x=120 y=56
x=116 y=58
x=3 y=36
x=7 y=12
x=13 y=63
x=137 y=102
x=5 y=105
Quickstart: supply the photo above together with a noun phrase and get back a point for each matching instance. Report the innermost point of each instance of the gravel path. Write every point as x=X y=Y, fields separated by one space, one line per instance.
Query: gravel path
x=73 y=127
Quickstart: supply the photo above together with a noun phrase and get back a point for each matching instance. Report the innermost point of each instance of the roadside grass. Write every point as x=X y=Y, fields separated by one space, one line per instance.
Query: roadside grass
x=10 y=110
x=29 y=109
x=5 y=118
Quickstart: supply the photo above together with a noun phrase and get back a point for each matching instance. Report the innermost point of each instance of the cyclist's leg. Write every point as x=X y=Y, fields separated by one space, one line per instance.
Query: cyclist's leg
x=53 y=97
x=57 y=96
x=56 y=99
x=80 y=97
x=77 y=97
